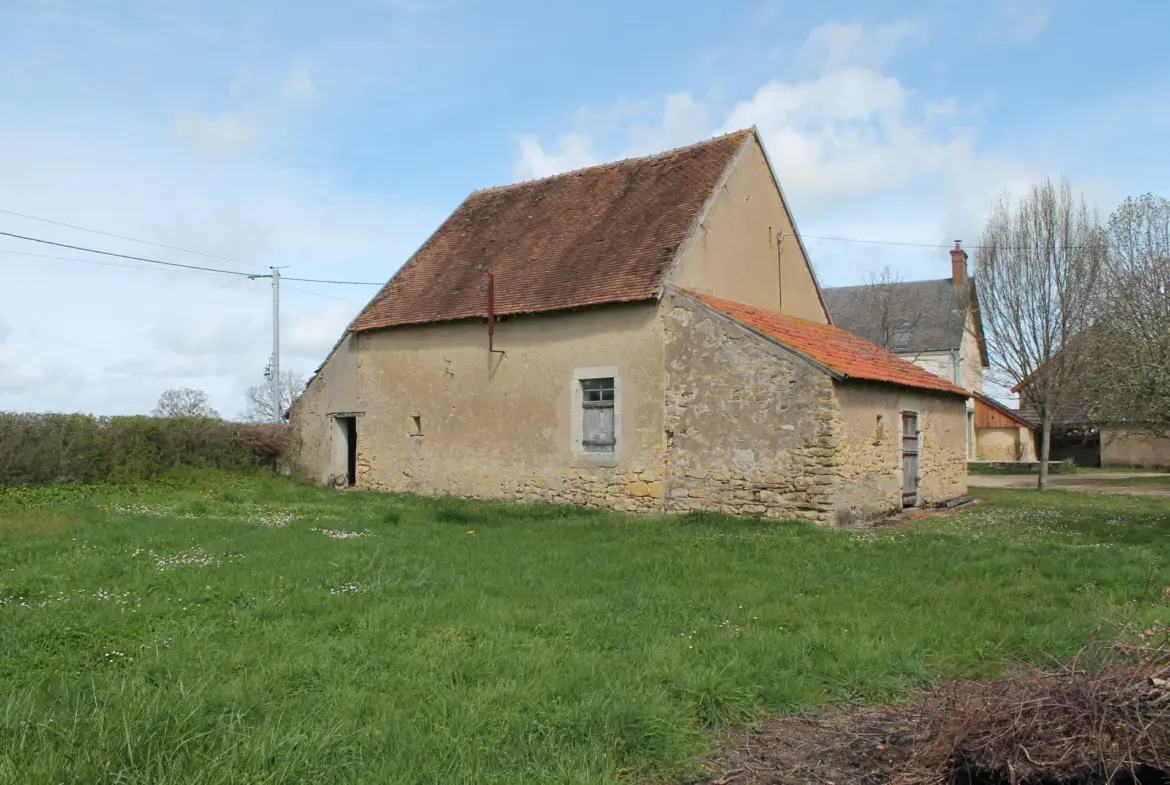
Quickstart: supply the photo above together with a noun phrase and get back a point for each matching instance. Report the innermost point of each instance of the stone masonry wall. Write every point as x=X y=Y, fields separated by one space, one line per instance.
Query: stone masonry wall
x=871 y=458
x=750 y=427
x=445 y=418
x=637 y=488
x=943 y=420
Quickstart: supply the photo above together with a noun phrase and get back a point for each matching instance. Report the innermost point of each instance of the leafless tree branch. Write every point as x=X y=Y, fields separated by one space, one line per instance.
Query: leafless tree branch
x=1037 y=273
x=184 y=402
x=1130 y=386
x=258 y=406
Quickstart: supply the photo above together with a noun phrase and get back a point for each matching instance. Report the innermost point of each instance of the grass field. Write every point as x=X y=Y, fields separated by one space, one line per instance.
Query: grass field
x=1158 y=481
x=225 y=629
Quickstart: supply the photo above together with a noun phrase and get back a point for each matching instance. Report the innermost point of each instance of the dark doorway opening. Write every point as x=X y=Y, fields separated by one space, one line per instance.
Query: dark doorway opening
x=348 y=426
x=1083 y=445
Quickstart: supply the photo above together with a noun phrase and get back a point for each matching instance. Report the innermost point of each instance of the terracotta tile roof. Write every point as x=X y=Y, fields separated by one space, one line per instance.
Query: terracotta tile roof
x=840 y=350
x=597 y=235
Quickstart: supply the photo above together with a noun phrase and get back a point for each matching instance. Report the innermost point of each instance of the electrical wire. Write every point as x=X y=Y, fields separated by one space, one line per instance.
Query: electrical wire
x=126 y=256
x=343 y=283
x=316 y=294
x=101 y=264
x=878 y=242
x=127 y=237
x=179 y=265
x=380 y=283
x=158 y=270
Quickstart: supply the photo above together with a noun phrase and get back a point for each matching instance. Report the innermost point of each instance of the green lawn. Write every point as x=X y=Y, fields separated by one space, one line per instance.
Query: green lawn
x=228 y=630
x=1158 y=481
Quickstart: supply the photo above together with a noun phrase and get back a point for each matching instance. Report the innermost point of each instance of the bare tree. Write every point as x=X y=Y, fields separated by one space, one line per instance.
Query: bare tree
x=184 y=402
x=1130 y=386
x=1037 y=272
x=891 y=308
x=259 y=398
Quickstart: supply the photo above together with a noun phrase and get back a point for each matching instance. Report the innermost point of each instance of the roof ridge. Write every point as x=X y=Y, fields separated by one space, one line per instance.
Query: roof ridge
x=608 y=164
x=866 y=285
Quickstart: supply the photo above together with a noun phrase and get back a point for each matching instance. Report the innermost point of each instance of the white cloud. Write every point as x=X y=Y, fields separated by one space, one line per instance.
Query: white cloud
x=126 y=335
x=222 y=129
x=5 y=330
x=298 y=85
x=851 y=131
x=833 y=46
x=683 y=120
x=649 y=127
x=309 y=334
x=224 y=134
x=215 y=334
x=1022 y=21
x=572 y=152
x=241 y=131
x=859 y=152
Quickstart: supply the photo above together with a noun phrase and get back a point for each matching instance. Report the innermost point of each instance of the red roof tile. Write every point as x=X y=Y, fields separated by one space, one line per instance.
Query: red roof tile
x=840 y=350
x=597 y=235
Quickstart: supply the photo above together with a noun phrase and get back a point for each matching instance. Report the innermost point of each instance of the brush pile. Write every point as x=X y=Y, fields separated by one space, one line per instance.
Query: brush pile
x=1101 y=719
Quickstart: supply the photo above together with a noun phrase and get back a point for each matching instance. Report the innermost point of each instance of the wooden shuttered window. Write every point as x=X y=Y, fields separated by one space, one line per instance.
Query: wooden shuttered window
x=597 y=403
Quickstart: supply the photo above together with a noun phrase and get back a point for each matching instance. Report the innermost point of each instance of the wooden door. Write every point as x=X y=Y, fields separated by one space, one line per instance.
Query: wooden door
x=910 y=449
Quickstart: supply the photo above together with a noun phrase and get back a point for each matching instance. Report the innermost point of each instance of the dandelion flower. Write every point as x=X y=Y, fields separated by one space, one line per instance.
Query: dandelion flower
x=471 y=531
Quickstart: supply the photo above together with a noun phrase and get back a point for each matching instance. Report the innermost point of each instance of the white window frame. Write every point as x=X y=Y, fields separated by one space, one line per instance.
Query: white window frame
x=577 y=413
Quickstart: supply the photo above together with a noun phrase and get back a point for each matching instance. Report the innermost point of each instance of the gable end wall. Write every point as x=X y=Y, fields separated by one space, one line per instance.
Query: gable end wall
x=734 y=253
x=750 y=427
x=870 y=443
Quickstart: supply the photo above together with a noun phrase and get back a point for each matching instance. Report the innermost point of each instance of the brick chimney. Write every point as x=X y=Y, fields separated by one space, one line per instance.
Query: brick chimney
x=958 y=265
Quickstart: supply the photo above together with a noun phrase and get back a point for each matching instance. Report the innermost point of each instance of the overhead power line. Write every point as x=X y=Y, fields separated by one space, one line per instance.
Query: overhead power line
x=154 y=269
x=124 y=256
x=342 y=283
x=317 y=294
x=174 y=264
x=878 y=242
x=131 y=239
x=100 y=263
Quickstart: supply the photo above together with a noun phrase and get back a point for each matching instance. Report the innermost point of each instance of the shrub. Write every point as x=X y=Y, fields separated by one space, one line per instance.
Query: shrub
x=78 y=448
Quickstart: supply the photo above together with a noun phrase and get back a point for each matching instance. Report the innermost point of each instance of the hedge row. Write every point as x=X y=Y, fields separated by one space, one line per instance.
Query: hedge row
x=79 y=448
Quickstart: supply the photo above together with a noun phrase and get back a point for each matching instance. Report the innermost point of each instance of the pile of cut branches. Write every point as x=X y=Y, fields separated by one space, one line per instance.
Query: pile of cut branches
x=1101 y=719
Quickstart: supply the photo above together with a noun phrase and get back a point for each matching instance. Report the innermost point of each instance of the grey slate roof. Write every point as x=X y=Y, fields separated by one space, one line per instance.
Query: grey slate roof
x=929 y=314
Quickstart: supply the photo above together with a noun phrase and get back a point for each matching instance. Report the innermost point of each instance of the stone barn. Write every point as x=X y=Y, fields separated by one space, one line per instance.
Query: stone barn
x=641 y=335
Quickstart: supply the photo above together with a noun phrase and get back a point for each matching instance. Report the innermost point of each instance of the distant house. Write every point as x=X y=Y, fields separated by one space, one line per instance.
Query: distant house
x=642 y=335
x=1079 y=433
x=936 y=325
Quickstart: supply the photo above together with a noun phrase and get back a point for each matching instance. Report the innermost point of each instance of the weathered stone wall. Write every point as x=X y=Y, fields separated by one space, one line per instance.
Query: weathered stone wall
x=500 y=426
x=751 y=427
x=998 y=444
x=734 y=253
x=943 y=421
x=871 y=454
x=871 y=469
x=319 y=452
x=1122 y=449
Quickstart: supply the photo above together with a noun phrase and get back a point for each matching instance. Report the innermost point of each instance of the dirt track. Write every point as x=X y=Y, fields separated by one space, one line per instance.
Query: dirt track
x=1113 y=482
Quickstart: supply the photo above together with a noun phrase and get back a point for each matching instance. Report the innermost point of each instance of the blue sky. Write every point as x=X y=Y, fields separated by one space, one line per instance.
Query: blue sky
x=333 y=139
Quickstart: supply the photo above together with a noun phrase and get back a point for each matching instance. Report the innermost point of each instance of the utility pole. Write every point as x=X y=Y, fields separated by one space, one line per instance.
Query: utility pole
x=277 y=414
x=272 y=372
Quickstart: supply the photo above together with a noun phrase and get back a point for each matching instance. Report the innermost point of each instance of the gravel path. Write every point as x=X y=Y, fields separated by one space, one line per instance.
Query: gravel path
x=1100 y=483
